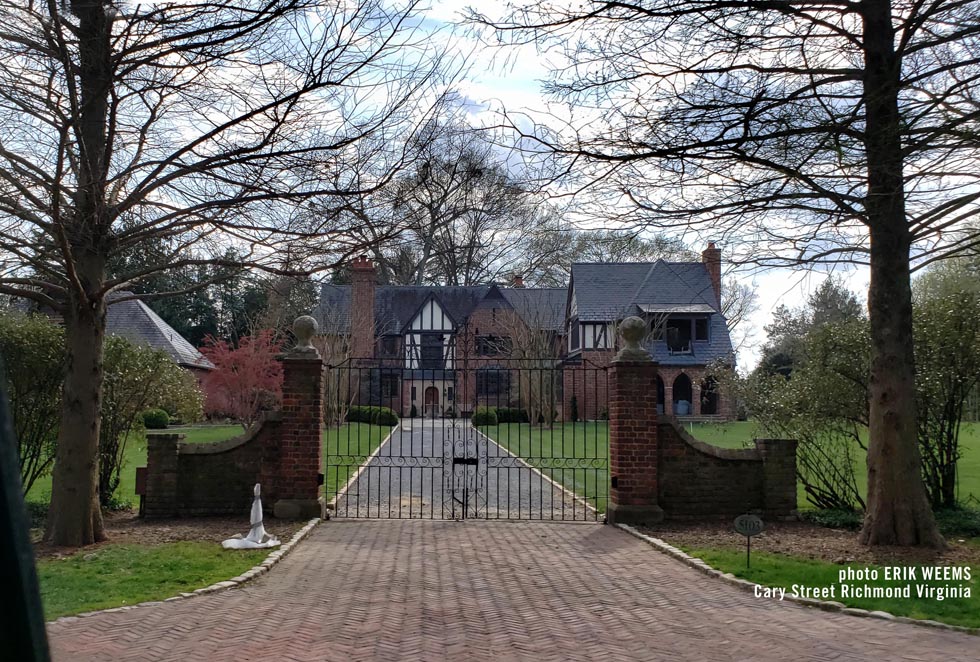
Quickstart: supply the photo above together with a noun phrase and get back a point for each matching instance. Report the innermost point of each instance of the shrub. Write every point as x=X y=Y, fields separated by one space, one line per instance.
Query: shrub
x=33 y=354
x=374 y=415
x=574 y=413
x=506 y=415
x=247 y=379
x=959 y=521
x=414 y=413
x=834 y=518
x=137 y=378
x=155 y=419
x=485 y=416
x=384 y=416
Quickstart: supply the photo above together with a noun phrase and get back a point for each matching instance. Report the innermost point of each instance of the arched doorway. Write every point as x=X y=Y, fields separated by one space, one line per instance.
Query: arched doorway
x=709 y=396
x=683 y=394
x=432 y=402
x=661 y=397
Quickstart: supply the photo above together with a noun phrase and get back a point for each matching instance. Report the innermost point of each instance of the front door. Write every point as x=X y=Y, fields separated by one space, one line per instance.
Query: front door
x=432 y=402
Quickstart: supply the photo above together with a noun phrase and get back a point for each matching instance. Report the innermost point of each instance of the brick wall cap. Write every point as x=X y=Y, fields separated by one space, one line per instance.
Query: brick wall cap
x=214 y=447
x=164 y=436
x=746 y=454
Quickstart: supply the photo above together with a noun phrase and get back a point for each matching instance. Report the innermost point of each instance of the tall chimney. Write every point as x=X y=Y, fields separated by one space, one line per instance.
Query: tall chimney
x=712 y=262
x=363 y=281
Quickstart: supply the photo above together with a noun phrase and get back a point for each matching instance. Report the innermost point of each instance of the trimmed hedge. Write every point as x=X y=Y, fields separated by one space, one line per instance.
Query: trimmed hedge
x=374 y=415
x=485 y=416
x=507 y=415
x=156 y=419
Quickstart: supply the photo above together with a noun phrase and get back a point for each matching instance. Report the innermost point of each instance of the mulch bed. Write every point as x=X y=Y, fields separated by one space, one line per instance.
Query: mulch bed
x=125 y=527
x=805 y=540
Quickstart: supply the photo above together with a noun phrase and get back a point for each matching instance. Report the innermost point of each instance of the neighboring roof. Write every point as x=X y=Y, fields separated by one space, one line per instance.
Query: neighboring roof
x=396 y=305
x=539 y=307
x=135 y=321
x=611 y=291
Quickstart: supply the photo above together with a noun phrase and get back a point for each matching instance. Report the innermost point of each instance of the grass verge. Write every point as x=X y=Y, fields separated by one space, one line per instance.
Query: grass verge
x=778 y=570
x=120 y=575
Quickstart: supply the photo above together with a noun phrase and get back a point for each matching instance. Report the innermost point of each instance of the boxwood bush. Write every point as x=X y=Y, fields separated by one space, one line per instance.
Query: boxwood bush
x=155 y=419
x=485 y=416
x=508 y=415
x=375 y=415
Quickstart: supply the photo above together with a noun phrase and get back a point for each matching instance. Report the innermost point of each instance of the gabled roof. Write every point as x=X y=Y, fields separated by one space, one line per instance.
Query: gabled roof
x=135 y=321
x=396 y=305
x=611 y=291
x=539 y=307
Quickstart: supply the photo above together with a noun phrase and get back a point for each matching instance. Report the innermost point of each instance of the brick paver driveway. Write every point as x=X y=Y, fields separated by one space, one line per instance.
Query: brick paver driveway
x=419 y=590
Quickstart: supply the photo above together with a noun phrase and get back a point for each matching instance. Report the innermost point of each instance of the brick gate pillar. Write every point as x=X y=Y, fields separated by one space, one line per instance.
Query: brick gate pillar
x=300 y=429
x=633 y=491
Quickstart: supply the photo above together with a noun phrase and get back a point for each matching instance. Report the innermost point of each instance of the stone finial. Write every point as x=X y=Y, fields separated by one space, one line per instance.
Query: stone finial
x=632 y=330
x=303 y=328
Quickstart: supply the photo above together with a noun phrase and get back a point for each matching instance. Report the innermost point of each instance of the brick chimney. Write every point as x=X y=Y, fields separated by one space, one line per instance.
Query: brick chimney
x=712 y=262
x=363 y=281
x=517 y=280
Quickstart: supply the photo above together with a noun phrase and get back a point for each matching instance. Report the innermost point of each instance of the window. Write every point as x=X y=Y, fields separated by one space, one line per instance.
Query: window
x=573 y=334
x=678 y=334
x=701 y=329
x=432 y=352
x=389 y=346
x=449 y=393
x=414 y=395
x=492 y=381
x=389 y=386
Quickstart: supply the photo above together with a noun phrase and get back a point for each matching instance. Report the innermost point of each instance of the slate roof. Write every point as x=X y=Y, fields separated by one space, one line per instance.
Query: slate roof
x=396 y=305
x=137 y=322
x=610 y=291
x=544 y=307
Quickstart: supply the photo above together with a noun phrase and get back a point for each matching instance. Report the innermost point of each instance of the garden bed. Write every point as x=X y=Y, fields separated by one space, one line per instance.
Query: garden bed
x=810 y=541
x=126 y=528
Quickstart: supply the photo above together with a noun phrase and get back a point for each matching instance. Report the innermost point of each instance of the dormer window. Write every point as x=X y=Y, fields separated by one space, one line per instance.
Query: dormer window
x=678 y=335
x=701 y=328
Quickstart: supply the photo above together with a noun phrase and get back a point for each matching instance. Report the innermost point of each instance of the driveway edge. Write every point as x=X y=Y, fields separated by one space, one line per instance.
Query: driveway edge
x=745 y=585
x=272 y=559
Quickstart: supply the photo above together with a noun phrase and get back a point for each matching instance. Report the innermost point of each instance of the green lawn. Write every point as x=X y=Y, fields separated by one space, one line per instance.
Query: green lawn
x=119 y=575
x=784 y=571
x=540 y=446
x=346 y=439
x=576 y=439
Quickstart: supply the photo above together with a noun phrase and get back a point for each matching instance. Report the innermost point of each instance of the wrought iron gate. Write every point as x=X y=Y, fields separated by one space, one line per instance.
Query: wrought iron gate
x=446 y=456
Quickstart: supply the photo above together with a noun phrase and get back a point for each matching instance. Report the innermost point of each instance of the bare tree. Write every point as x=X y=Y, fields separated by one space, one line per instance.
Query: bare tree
x=463 y=215
x=533 y=348
x=838 y=131
x=202 y=123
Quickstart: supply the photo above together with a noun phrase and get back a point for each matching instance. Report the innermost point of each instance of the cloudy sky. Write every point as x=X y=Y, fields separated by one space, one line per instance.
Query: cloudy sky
x=511 y=80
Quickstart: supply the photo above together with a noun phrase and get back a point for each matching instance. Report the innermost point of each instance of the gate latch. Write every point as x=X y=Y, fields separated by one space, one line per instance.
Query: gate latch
x=464 y=460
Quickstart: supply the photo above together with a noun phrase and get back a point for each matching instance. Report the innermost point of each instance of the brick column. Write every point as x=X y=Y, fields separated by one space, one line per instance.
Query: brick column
x=300 y=429
x=633 y=449
x=161 y=474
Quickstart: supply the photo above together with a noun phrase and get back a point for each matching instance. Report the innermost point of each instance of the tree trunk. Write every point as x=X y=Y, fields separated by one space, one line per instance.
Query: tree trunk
x=74 y=517
x=898 y=511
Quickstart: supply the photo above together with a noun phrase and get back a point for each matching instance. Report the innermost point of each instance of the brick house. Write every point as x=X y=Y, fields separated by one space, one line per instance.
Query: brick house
x=681 y=303
x=446 y=350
